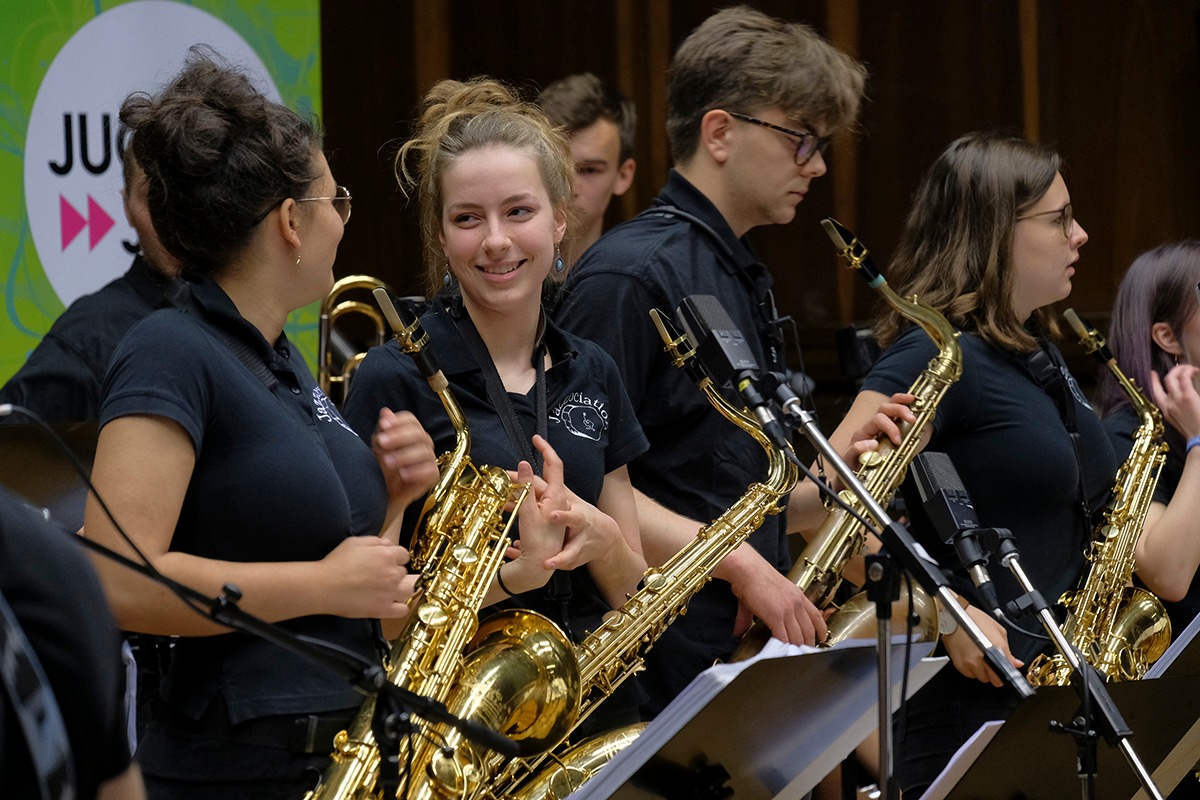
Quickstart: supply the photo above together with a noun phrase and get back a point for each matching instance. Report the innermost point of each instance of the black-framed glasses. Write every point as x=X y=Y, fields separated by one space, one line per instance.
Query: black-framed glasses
x=340 y=201
x=1066 y=218
x=807 y=146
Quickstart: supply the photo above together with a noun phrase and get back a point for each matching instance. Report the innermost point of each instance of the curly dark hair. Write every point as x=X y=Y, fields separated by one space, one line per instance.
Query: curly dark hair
x=218 y=156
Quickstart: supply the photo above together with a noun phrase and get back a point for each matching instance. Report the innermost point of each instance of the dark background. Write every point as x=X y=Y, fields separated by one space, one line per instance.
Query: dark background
x=1112 y=84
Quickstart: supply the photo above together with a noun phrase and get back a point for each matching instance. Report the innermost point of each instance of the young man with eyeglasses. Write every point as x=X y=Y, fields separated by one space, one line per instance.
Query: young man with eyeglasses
x=751 y=103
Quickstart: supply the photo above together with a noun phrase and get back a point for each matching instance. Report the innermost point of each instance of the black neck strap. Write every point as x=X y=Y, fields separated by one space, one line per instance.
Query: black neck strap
x=1050 y=373
x=499 y=395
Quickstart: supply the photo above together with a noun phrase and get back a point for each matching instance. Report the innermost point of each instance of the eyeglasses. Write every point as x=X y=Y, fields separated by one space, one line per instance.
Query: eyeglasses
x=340 y=201
x=1066 y=218
x=806 y=148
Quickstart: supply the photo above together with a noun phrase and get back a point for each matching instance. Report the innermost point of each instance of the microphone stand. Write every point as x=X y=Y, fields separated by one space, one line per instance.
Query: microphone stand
x=1098 y=714
x=394 y=704
x=900 y=545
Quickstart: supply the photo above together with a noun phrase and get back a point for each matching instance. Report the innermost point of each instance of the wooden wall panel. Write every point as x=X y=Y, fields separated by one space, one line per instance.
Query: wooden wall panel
x=1115 y=91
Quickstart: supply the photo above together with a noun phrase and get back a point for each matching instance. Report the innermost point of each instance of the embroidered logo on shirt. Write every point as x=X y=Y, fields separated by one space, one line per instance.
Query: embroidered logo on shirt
x=582 y=416
x=1075 y=388
x=326 y=411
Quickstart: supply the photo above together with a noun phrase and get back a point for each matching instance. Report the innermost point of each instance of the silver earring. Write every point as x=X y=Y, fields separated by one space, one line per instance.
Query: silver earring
x=297 y=259
x=447 y=279
x=559 y=266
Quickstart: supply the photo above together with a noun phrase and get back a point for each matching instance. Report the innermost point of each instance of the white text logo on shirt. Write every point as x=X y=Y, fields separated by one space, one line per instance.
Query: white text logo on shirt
x=582 y=416
x=326 y=411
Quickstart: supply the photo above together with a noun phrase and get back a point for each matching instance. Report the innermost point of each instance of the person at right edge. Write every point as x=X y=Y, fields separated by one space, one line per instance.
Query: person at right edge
x=751 y=102
x=991 y=242
x=1154 y=334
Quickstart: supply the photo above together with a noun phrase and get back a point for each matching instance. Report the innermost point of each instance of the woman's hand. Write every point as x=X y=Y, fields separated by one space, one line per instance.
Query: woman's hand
x=968 y=659
x=1176 y=395
x=543 y=530
x=405 y=454
x=884 y=424
x=368 y=579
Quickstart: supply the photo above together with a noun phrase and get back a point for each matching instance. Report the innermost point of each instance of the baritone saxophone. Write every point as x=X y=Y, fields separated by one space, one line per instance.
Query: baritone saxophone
x=1119 y=629
x=460 y=542
x=615 y=651
x=818 y=570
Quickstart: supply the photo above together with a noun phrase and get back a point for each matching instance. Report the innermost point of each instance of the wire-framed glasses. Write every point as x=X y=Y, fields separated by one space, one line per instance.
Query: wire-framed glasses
x=340 y=201
x=807 y=145
x=1066 y=218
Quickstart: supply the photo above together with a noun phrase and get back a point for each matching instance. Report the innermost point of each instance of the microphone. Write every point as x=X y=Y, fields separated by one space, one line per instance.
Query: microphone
x=945 y=500
x=727 y=356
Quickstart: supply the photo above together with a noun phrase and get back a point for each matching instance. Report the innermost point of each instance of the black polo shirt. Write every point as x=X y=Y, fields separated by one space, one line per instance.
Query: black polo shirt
x=699 y=464
x=1010 y=446
x=279 y=476
x=62 y=377
x=589 y=423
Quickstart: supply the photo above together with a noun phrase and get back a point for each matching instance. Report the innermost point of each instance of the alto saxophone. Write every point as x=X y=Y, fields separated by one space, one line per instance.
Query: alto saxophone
x=615 y=650
x=461 y=540
x=818 y=570
x=1120 y=630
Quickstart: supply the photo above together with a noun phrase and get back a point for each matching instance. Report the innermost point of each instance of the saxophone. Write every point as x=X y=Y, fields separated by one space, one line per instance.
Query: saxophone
x=1120 y=630
x=615 y=650
x=462 y=536
x=818 y=570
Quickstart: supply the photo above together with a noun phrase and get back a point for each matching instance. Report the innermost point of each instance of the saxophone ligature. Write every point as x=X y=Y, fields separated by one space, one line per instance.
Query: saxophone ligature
x=461 y=539
x=1119 y=629
x=818 y=570
x=615 y=651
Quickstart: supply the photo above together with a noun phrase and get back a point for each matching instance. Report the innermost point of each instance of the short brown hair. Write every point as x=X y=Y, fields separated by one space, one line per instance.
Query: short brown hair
x=742 y=60
x=577 y=101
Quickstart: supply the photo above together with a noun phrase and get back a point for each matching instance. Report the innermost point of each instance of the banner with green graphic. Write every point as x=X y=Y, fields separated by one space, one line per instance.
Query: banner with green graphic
x=65 y=68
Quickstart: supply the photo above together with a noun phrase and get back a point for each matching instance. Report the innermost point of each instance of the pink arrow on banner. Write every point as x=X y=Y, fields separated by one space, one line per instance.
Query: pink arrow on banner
x=72 y=221
x=99 y=223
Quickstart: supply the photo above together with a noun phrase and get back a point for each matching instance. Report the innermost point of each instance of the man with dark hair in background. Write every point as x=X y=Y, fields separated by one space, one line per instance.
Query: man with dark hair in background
x=600 y=123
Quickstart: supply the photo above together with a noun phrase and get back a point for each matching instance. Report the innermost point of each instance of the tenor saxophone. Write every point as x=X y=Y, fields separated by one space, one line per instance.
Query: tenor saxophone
x=818 y=570
x=615 y=650
x=462 y=536
x=1119 y=629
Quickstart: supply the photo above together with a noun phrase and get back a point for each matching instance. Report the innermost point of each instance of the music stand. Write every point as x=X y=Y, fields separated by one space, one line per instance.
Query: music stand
x=1024 y=759
x=36 y=470
x=772 y=727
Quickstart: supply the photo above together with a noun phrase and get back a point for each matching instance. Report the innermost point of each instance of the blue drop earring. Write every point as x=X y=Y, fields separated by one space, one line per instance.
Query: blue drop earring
x=559 y=266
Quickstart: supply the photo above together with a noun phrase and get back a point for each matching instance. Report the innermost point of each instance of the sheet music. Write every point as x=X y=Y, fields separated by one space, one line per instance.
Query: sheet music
x=962 y=761
x=805 y=720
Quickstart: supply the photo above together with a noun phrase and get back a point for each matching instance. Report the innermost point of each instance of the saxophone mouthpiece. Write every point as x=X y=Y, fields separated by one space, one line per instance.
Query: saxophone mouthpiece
x=412 y=339
x=1092 y=341
x=854 y=251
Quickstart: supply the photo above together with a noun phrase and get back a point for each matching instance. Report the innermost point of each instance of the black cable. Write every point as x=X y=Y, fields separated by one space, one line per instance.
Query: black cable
x=832 y=495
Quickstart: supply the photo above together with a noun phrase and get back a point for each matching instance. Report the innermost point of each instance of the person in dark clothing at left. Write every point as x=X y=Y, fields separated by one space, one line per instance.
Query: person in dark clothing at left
x=63 y=630
x=61 y=379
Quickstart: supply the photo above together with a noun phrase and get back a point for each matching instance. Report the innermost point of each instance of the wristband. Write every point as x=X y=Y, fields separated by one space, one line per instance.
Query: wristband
x=1192 y=442
x=503 y=588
